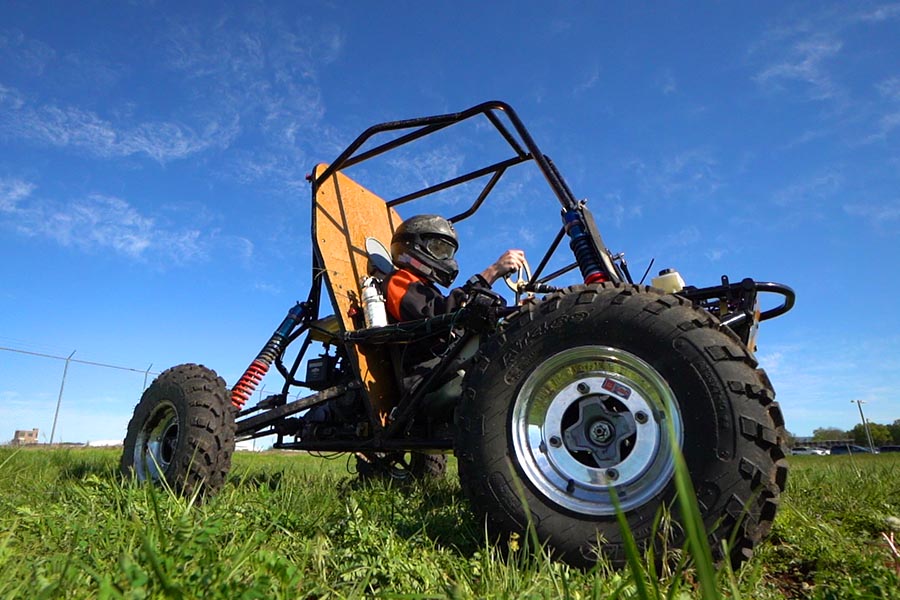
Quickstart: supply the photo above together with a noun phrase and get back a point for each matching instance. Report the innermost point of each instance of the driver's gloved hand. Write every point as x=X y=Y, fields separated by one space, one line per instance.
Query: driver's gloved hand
x=482 y=309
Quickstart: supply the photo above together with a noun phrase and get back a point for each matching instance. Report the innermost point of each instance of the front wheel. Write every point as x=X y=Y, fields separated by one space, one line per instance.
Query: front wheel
x=182 y=432
x=591 y=391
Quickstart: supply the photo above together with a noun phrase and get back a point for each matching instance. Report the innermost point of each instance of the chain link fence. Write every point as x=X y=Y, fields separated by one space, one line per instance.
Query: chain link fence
x=68 y=399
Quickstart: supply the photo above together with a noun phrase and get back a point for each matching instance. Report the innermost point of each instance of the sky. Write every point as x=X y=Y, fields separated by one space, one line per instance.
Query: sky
x=154 y=208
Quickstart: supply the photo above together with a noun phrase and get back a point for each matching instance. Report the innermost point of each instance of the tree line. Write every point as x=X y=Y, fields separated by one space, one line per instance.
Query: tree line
x=882 y=435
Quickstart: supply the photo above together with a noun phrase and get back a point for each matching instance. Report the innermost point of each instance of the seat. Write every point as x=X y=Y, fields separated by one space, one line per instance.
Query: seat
x=344 y=215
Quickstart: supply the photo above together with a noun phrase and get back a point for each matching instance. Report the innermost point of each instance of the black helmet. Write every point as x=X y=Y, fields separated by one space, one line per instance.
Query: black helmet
x=426 y=244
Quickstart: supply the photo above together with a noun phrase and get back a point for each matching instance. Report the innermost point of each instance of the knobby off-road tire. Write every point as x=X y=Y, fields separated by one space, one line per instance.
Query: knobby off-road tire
x=182 y=431
x=401 y=466
x=582 y=391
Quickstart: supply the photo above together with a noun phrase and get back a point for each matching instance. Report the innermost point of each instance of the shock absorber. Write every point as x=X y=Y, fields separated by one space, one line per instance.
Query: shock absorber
x=583 y=248
x=245 y=386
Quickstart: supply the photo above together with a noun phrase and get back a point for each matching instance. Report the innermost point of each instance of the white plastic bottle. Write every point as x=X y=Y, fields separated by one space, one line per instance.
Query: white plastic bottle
x=373 y=304
x=669 y=281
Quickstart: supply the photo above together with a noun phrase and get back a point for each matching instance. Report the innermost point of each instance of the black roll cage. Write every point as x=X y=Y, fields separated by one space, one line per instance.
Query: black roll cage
x=519 y=140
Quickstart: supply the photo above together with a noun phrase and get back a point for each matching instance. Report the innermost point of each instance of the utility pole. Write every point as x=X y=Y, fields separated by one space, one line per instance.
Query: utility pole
x=59 y=399
x=865 y=423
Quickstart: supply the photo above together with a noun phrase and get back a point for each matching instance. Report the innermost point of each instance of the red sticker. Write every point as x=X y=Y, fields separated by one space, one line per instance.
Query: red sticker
x=616 y=388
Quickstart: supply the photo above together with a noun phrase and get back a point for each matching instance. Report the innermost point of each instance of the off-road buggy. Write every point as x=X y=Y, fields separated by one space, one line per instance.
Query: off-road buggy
x=559 y=407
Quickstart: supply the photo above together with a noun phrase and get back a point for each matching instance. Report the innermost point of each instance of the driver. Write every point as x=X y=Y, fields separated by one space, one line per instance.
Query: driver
x=423 y=249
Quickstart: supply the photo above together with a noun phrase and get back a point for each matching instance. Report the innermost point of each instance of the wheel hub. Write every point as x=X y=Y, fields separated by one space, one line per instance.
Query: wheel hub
x=599 y=431
x=156 y=443
x=593 y=417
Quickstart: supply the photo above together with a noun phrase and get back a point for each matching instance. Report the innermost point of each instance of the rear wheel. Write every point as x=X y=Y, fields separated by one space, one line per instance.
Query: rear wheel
x=401 y=466
x=591 y=390
x=182 y=432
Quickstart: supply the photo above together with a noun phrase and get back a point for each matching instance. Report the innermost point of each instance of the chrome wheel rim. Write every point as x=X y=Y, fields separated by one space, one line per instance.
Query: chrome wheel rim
x=593 y=418
x=154 y=448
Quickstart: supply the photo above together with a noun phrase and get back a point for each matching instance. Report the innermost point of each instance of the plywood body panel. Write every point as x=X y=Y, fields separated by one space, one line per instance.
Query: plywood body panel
x=344 y=215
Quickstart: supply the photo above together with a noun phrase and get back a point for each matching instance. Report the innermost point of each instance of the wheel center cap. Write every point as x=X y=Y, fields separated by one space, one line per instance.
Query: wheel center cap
x=601 y=432
x=598 y=431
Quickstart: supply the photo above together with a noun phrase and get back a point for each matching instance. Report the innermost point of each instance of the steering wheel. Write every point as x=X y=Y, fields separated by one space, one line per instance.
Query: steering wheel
x=517 y=280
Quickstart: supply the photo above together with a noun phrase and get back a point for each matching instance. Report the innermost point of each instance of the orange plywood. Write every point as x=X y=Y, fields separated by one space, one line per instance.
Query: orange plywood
x=345 y=215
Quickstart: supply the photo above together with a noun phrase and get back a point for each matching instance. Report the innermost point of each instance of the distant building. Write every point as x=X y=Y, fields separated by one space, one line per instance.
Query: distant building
x=24 y=437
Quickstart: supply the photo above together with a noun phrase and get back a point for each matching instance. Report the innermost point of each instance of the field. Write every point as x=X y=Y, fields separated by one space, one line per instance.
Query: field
x=302 y=527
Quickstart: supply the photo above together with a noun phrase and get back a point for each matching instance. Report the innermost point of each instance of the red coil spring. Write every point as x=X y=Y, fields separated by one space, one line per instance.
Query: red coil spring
x=243 y=389
x=596 y=278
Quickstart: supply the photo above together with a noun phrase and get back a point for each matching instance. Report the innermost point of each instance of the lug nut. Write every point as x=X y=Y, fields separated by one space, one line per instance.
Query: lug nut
x=612 y=474
x=583 y=388
x=555 y=441
x=641 y=417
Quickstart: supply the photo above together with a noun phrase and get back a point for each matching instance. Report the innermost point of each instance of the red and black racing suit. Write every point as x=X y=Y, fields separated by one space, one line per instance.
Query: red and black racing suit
x=409 y=297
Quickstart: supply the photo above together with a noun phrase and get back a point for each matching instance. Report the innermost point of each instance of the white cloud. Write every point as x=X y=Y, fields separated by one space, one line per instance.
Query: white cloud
x=72 y=127
x=688 y=175
x=254 y=74
x=267 y=288
x=413 y=171
x=890 y=88
x=28 y=55
x=257 y=65
x=666 y=82
x=804 y=62
x=590 y=81
x=264 y=68
x=617 y=210
x=102 y=221
x=879 y=214
x=686 y=236
x=526 y=236
x=715 y=254
x=889 y=122
x=244 y=247
x=165 y=141
x=882 y=13
x=806 y=137
x=331 y=44
x=10 y=99
x=13 y=191
x=691 y=173
x=819 y=57
x=811 y=192
x=97 y=223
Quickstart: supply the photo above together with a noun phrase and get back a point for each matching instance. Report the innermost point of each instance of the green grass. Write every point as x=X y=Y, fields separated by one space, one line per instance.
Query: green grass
x=294 y=526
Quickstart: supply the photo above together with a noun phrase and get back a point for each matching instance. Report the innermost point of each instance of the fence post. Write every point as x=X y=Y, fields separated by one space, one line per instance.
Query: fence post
x=59 y=399
x=146 y=373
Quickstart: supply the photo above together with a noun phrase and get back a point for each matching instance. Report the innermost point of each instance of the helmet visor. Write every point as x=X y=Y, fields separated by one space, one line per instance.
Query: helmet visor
x=440 y=248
